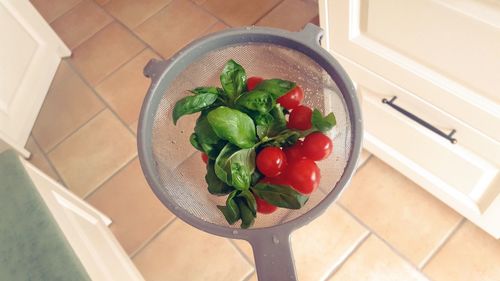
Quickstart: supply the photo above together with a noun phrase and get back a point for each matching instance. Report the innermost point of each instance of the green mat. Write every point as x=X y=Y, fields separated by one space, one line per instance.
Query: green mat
x=32 y=247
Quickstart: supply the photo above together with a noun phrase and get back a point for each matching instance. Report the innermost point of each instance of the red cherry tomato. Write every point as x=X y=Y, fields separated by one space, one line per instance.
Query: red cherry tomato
x=204 y=157
x=271 y=161
x=263 y=207
x=294 y=153
x=252 y=82
x=292 y=99
x=300 y=118
x=317 y=146
x=304 y=176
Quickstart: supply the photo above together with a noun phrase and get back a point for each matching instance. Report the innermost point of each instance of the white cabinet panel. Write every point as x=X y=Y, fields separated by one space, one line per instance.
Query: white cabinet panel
x=30 y=53
x=18 y=48
x=432 y=34
x=442 y=52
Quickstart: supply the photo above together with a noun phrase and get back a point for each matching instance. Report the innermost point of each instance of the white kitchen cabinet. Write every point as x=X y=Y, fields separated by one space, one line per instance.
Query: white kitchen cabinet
x=441 y=59
x=30 y=52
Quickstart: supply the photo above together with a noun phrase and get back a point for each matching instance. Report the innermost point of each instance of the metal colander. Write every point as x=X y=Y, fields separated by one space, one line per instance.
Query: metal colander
x=173 y=167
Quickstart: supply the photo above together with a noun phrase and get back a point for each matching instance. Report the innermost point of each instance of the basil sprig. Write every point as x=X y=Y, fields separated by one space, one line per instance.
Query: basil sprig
x=280 y=195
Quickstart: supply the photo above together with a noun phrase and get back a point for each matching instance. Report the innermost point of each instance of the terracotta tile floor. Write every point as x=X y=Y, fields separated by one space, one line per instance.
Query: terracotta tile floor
x=383 y=228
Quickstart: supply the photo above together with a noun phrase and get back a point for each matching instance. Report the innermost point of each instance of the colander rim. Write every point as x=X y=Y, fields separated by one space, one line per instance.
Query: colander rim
x=306 y=42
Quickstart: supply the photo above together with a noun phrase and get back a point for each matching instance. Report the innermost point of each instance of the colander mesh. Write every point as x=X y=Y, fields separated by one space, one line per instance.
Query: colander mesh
x=178 y=164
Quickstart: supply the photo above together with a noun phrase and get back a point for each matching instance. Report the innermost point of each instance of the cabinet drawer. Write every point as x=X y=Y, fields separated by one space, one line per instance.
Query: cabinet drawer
x=444 y=51
x=469 y=138
x=433 y=161
x=464 y=175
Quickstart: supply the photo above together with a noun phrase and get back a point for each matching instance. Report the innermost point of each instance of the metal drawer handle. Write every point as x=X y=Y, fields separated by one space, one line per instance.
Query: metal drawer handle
x=420 y=121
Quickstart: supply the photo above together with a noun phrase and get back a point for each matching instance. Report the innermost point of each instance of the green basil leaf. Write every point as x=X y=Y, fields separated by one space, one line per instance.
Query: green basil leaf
x=280 y=195
x=221 y=163
x=263 y=124
x=235 y=166
x=233 y=126
x=240 y=176
x=263 y=131
x=246 y=214
x=284 y=139
x=231 y=211
x=263 y=119
x=206 y=90
x=270 y=124
x=192 y=104
x=321 y=123
x=215 y=185
x=204 y=131
x=256 y=177
x=213 y=150
x=193 y=139
x=233 y=79
x=259 y=101
x=277 y=87
x=249 y=200
x=279 y=120
x=210 y=143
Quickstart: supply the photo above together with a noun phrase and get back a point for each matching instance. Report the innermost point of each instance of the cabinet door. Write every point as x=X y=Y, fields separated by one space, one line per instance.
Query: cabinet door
x=86 y=231
x=445 y=51
x=30 y=53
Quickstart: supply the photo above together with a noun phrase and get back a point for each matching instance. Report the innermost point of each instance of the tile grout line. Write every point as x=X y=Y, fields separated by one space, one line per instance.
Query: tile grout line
x=382 y=239
x=92 y=35
x=90 y=193
x=87 y=39
x=146 y=241
x=241 y=252
x=89 y=36
x=132 y=32
x=157 y=12
x=433 y=253
x=202 y=7
x=146 y=19
x=49 y=162
x=341 y=263
x=152 y=238
x=75 y=130
x=73 y=67
x=60 y=15
x=116 y=70
x=268 y=12
x=205 y=34
x=106 y=105
x=114 y=20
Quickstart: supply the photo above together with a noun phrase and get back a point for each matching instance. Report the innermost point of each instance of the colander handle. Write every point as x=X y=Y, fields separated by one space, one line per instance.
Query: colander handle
x=273 y=257
x=311 y=34
x=155 y=68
